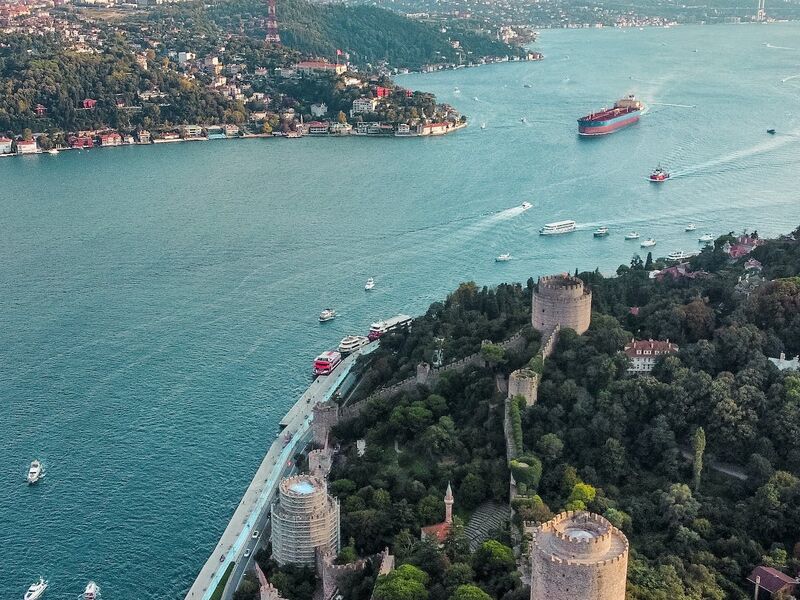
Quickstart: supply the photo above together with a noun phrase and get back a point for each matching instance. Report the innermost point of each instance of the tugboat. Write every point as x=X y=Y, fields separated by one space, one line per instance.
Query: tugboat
x=92 y=591
x=327 y=315
x=35 y=472
x=633 y=235
x=601 y=232
x=503 y=258
x=658 y=175
x=36 y=590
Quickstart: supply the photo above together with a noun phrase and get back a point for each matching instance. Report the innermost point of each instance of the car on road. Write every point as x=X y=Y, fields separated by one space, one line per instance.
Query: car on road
x=255 y=534
x=222 y=558
x=246 y=552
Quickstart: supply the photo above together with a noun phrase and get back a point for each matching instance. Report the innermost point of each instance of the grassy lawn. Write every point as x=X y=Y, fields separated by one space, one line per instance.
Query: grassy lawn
x=221 y=586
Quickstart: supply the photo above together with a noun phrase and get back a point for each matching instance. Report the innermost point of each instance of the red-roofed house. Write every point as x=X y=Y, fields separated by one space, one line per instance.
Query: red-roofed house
x=743 y=246
x=382 y=92
x=81 y=141
x=644 y=353
x=434 y=129
x=89 y=103
x=27 y=147
x=111 y=139
x=772 y=581
x=440 y=531
x=752 y=265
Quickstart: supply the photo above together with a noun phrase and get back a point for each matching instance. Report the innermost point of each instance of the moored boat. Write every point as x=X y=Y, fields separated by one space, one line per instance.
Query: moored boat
x=557 y=228
x=633 y=235
x=648 y=243
x=327 y=362
x=678 y=255
x=691 y=227
x=625 y=112
x=503 y=258
x=377 y=329
x=351 y=343
x=36 y=590
x=659 y=174
x=706 y=238
x=370 y=284
x=601 y=231
x=327 y=315
x=34 y=472
x=92 y=591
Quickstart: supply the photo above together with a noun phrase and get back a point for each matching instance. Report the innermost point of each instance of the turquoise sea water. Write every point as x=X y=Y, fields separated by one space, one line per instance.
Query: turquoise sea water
x=158 y=306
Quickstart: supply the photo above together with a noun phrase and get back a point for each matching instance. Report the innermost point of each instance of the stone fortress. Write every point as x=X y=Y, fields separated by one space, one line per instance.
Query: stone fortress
x=578 y=555
x=305 y=521
x=561 y=300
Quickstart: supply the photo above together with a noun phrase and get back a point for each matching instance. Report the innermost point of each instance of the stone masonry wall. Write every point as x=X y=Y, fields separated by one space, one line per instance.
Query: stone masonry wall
x=561 y=300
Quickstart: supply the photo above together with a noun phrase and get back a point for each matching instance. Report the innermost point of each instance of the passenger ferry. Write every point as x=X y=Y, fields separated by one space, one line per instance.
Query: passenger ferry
x=34 y=472
x=351 y=343
x=378 y=328
x=633 y=235
x=679 y=255
x=327 y=315
x=327 y=362
x=36 y=590
x=557 y=228
x=648 y=243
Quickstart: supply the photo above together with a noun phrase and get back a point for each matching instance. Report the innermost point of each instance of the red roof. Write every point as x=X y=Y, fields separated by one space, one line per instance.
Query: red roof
x=772 y=580
x=4 y=139
x=438 y=532
x=654 y=347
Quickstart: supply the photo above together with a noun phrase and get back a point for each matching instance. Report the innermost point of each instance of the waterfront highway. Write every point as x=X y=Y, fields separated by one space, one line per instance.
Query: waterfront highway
x=253 y=510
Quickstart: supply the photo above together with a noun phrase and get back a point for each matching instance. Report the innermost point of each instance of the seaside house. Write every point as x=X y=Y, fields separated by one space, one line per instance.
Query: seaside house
x=231 y=130
x=191 y=131
x=27 y=147
x=143 y=137
x=318 y=128
x=81 y=141
x=5 y=145
x=110 y=139
x=644 y=353
x=363 y=105
x=433 y=128
x=215 y=132
x=341 y=129
x=404 y=129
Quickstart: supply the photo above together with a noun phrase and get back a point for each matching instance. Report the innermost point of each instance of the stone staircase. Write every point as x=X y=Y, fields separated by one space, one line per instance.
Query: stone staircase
x=487 y=519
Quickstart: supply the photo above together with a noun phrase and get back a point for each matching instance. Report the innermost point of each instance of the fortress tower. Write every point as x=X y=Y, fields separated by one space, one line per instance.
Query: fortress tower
x=561 y=300
x=304 y=521
x=578 y=555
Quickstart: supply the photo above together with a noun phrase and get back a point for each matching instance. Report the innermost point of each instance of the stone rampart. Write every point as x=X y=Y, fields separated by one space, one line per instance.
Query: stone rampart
x=325 y=415
x=561 y=300
x=319 y=462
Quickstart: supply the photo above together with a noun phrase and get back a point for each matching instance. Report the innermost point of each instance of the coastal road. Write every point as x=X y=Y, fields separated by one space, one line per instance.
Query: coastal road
x=254 y=507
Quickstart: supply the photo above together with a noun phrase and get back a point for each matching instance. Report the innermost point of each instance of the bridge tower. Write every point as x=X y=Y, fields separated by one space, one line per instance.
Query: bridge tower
x=273 y=37
x=761 y=14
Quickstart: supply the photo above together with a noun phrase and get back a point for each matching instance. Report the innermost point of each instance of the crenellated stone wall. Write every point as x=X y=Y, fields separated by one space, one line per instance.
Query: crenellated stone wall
x=325 y=415
x=578 y=554
x=561 y=300
x=525 y=383
x=320 y=462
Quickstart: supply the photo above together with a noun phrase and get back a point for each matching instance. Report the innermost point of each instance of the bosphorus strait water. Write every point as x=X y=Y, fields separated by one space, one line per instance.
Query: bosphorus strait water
x=158 y=305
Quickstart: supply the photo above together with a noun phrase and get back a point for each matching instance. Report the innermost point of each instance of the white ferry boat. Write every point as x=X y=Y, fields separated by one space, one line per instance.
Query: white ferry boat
x=503 y=258
x=327 y=315
x=34 y=472
x=370 y=284
x=92 y=591
x=378 y=328
x=705 y=238
x=633 y=235
x=679 y=255
x=648 y=243
x=691 y=227
x=36 y=590
x=557 y=228
x=526 y=205
x=327 y=362
x=351 y=343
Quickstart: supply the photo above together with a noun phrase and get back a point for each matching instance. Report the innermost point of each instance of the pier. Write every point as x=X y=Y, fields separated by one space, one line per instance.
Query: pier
x=255 y=504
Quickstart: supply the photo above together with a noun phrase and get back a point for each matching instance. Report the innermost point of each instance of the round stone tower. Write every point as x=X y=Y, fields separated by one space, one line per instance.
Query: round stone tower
x=561 y=300
x=578 y=555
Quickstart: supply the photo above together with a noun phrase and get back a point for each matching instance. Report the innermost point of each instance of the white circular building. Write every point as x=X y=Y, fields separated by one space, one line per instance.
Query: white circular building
x=578 y=555
x=304 y=519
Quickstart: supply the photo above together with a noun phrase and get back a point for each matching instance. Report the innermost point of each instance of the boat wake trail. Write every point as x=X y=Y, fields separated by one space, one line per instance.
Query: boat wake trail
x=777 y=47
x=785 y=79
x=675 y=105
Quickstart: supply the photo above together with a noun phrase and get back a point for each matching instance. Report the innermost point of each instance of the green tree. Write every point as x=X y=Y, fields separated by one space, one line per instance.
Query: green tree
x=699 y=446
x=469 y=592
x=406 y=582
x=550 y=446
x=493 y=354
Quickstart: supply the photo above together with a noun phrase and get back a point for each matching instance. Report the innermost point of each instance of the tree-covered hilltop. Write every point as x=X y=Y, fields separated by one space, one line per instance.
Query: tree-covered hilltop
x=697 y=462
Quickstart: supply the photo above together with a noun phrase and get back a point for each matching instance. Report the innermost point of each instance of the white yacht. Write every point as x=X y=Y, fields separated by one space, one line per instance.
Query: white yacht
x=92 y=591
x=483 y=125
x=36 y=590
x=557 y=227
x=35 y=472
x=601 y=231
x=705 y=238
x=678 y=255
x=503 y=258
x=648 y=243
x=691 y=227
x=370 y=284
x=526 y=205
x=327 y=315
x=351 y=343
x=633 y=235
x=52 y=151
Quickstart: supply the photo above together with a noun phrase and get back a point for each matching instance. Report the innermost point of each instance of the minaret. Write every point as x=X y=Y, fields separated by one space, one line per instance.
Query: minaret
x=448 y=504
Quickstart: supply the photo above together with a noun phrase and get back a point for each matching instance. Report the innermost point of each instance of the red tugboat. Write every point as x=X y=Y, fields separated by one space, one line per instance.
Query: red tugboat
x=659 y=175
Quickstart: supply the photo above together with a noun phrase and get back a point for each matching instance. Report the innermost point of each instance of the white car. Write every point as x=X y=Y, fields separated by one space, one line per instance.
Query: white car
x=255 y=534
x=246 y=552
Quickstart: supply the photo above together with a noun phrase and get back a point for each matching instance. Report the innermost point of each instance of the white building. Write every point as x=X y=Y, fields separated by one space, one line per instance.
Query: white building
x=5 y=145
x=363 y=105
x=184 y=57
x=319 y=110
x=783 y=363
x=645 y=353
x=27 y=147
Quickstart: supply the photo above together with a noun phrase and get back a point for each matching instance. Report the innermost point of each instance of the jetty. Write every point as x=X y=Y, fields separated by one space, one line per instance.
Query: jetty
x=254 y=507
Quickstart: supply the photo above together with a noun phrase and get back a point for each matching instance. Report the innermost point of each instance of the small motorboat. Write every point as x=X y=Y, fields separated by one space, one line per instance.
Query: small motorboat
x=370 y=284
x=648 y=243
x=34 y=472
x=92 y=591
x=771 y=131
x=691 y=227
x=456 y=90
x=527 y=85
x=327 y=315
x=526 y=205
x=659 y=175
x=633 y=235
x=483 y=125
x=52 y=151
x=36 y=590
x=601 y=231
x=706 y=238
x=523 y=120
x=503 y=258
